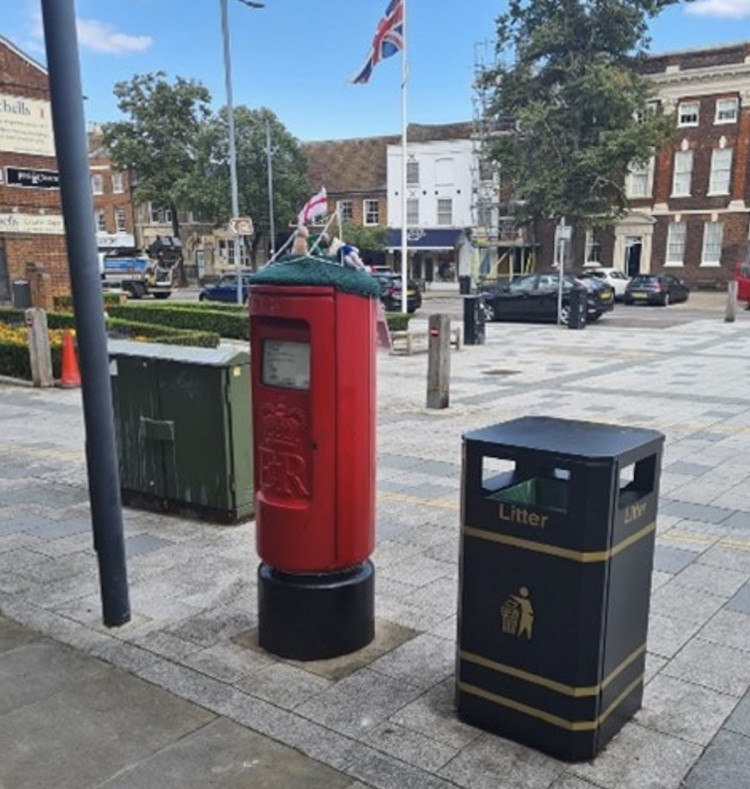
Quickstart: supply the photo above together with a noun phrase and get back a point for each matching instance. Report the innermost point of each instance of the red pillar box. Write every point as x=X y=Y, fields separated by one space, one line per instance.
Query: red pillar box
x=312 y=342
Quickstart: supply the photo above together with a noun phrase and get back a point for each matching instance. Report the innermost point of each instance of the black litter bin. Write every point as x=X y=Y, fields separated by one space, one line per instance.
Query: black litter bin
x=473 y=321
x=577 y=309
x=555 y=578
x=464 y=285
x=21 y=294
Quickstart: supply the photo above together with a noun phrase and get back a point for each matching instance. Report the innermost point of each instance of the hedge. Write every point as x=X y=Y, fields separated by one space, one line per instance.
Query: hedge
x=65 y=303
x=232 y=323
x=14 y=355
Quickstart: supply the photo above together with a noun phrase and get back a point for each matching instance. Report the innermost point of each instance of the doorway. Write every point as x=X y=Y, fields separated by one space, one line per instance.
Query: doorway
x=633 y=249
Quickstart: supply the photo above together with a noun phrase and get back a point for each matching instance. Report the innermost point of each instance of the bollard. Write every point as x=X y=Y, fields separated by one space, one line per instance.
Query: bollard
x=438 y=361
x=731 y=312
x=39 y=352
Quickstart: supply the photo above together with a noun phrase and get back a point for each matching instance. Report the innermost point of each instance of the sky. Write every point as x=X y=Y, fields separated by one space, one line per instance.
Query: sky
x=296 y=57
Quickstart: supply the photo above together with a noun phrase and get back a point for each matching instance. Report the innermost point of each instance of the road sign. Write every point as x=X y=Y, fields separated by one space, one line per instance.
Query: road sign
x=241 y=226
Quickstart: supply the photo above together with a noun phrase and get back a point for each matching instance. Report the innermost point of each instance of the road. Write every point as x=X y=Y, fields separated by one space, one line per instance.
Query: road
x=700 y=305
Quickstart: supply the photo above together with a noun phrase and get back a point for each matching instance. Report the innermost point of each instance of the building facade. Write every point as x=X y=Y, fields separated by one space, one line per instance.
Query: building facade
x=690 y=205
x=439 y=199
x=696 y=194
x=31 y=222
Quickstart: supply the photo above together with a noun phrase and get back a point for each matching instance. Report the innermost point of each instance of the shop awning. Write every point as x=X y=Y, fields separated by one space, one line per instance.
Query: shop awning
x=423 y=238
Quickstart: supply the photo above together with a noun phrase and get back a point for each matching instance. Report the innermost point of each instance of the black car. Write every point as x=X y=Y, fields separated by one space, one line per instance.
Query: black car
x=533 y=297
x=390 y=292
x=663 y=289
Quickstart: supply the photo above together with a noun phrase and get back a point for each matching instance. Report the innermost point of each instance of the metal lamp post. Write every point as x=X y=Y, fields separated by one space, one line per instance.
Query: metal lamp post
x=232 y=145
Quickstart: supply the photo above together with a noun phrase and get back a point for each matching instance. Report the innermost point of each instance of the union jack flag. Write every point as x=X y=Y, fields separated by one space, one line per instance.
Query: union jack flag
x=389 y=39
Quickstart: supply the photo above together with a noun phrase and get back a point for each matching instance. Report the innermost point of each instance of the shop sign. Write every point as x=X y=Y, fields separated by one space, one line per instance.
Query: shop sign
x=35 y=179
x=33 y=224
x=26 y=126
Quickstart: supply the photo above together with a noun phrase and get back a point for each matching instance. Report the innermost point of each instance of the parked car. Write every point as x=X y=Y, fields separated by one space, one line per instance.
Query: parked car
x=226 y=289
x=533 y=297
x=664 y=289
x=390 y=292
x=615 y=278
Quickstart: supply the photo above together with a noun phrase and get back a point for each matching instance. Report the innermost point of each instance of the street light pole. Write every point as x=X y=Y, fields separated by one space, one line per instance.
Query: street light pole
x=269 y=153
x=232 y=147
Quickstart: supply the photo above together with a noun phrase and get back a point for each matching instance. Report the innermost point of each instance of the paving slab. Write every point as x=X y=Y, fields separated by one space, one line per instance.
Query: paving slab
x=68 y=720
x=385 y=716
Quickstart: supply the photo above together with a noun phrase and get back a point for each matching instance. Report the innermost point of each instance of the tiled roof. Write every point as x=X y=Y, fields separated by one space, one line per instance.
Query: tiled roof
x=359 y=165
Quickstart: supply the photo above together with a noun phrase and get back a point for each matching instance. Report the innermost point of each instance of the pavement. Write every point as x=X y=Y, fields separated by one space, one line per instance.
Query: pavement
x=183 y=696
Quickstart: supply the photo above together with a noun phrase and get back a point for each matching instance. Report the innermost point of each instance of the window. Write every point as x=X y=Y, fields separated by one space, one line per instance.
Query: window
x=100 y=221
x=120 y=219
x=97 y=184
x=412 y=173
x=675 y=244
x=412 y=212
x=346 y=213
x=371 y=212
x=159 y=216
x=688 y=113
x=445 y=211
x=721 y=171
x=726 y=111
x=593 y=247
x=683 y=171
x=712 y=237
x=117 y=187
x=638 y=180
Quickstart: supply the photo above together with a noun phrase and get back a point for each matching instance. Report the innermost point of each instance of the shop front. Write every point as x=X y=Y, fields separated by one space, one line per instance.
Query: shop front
x=431 y=253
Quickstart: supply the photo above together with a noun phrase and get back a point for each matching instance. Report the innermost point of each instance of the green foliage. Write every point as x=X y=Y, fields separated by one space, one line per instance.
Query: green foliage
x=160 y=140
x=289 y=163
x=370 y=238
x=231 y=323
x=14 y=356
x=579 y=106
x=64 y=303
x=397 y=321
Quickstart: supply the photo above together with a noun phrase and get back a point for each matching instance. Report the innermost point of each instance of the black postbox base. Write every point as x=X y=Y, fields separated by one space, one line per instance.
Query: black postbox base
x=316 y=616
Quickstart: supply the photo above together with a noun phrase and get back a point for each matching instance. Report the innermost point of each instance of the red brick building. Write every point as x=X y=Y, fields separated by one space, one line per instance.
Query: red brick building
x=690 y=207
x=31 y=224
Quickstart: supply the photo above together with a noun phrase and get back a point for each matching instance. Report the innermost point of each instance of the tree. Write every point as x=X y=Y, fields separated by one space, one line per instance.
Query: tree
x=288 y=162
x=160 y=142
x=371 y=239
x=579 y=105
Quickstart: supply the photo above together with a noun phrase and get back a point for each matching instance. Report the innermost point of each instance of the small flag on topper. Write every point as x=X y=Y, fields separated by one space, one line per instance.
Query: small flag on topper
x=316 y=206
x=388 y=39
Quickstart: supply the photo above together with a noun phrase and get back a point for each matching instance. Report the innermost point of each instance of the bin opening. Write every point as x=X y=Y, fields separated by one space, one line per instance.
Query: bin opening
x=547 y=492
x=636 y=481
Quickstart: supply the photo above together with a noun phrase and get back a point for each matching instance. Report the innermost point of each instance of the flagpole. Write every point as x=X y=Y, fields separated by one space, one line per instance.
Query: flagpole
x=404 y=244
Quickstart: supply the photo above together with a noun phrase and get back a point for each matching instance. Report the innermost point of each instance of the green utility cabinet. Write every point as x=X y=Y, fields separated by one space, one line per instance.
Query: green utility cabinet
x=184 y=436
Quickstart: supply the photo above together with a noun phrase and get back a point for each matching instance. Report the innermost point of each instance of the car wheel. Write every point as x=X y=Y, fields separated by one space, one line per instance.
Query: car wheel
x=202 y=297
x=489 y=312
x=565 y=314
x=665 y=300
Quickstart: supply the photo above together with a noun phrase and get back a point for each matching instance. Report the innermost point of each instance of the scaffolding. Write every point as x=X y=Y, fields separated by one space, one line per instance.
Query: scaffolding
x=504 y=250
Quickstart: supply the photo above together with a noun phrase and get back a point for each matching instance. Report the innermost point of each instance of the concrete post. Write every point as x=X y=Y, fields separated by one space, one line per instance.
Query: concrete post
x=731 y=312
x=39 y=352
x=438 y=361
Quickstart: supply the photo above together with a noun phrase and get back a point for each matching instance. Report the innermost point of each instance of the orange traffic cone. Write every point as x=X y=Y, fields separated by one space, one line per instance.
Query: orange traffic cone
x=69 y=375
